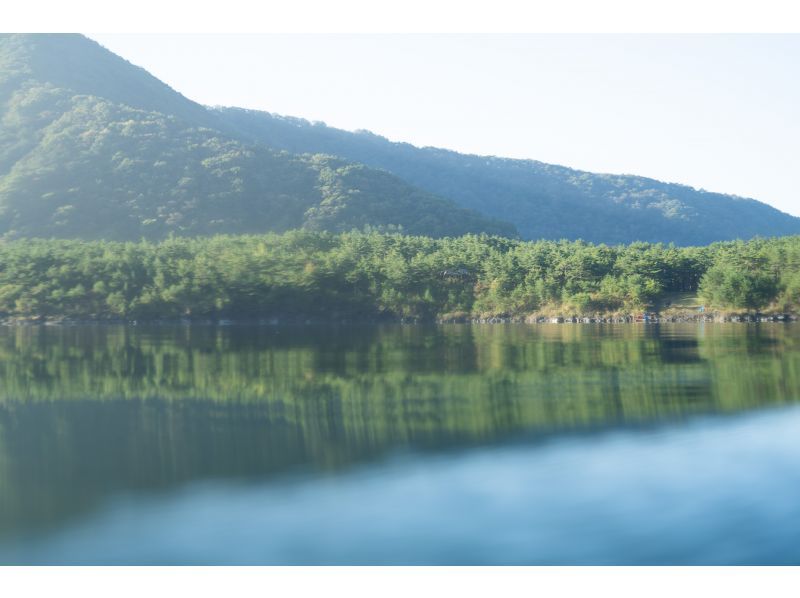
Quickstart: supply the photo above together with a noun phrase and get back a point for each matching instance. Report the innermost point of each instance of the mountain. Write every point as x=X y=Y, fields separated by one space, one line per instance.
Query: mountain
x=542 y=200
x=74 y=62
x=93 y=147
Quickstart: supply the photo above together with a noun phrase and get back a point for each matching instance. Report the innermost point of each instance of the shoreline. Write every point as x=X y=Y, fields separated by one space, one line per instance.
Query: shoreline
x=713 y=318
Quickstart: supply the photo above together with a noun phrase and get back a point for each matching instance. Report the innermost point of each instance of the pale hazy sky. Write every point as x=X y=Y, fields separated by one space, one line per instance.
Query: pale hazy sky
x=720 y=112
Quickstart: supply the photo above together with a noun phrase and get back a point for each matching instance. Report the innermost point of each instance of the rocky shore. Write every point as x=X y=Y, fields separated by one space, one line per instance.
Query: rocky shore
x=650 y=318
x=631 y=319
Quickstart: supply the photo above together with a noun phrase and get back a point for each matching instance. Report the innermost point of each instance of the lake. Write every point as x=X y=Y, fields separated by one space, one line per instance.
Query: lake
x=451 y=444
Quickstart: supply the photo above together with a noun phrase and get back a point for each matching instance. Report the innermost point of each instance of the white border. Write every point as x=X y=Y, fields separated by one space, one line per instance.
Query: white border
x=400 y=582
x=382 y=16
x=291 y=16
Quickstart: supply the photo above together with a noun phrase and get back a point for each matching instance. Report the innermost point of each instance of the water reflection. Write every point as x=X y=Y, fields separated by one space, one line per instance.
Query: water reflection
x=713 y=492
x=90 y=413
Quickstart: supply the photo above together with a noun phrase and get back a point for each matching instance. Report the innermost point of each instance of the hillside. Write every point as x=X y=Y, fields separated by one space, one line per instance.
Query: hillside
x=74 y=62
x=92 y=147
x=542 y=200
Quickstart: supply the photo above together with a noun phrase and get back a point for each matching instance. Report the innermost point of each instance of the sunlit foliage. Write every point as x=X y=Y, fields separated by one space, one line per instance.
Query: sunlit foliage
x=302 y=274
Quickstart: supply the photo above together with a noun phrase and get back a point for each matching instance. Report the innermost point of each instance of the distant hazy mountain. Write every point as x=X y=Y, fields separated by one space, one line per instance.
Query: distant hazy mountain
x=542 y=200
x=92 y=146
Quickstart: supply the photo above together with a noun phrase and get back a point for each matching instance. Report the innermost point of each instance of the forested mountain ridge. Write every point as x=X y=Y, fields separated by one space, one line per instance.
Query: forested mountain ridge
x=92 y=146
x=149 y=163
x=542 y=200
x=79 y=64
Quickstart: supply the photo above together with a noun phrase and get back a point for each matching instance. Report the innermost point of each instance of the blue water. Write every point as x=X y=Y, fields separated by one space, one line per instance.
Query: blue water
x=711 y=492
x=512 y=444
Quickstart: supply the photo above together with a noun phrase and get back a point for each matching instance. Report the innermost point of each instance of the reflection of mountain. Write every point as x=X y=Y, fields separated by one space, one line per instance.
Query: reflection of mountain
x=89 y=411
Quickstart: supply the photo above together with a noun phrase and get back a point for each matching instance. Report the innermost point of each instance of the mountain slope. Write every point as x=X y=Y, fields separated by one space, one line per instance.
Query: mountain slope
x=75 y=62
x=83 y=132
x=542 y=200
x=119 y=155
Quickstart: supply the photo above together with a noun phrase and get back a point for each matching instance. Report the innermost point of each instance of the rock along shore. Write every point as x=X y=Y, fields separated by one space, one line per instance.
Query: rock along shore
x=651 y=318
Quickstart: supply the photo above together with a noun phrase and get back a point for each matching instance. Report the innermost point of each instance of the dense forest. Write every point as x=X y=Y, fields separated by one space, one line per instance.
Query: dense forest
x=104 y=171
x=372 y=275
x=93 y=147
x=188 y=210
x=78 y=165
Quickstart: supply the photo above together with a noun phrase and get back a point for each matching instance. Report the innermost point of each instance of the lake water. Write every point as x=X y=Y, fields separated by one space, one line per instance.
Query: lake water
x=454 y=444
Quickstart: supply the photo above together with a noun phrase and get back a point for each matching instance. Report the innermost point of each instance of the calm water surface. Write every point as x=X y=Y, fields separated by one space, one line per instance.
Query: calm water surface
x=495 y=444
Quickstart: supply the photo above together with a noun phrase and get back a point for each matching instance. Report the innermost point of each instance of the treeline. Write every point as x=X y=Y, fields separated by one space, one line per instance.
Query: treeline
x=303 y=274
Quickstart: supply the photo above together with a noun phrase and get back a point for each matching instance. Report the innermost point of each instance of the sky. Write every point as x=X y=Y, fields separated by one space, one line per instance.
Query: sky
x=718 y=112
